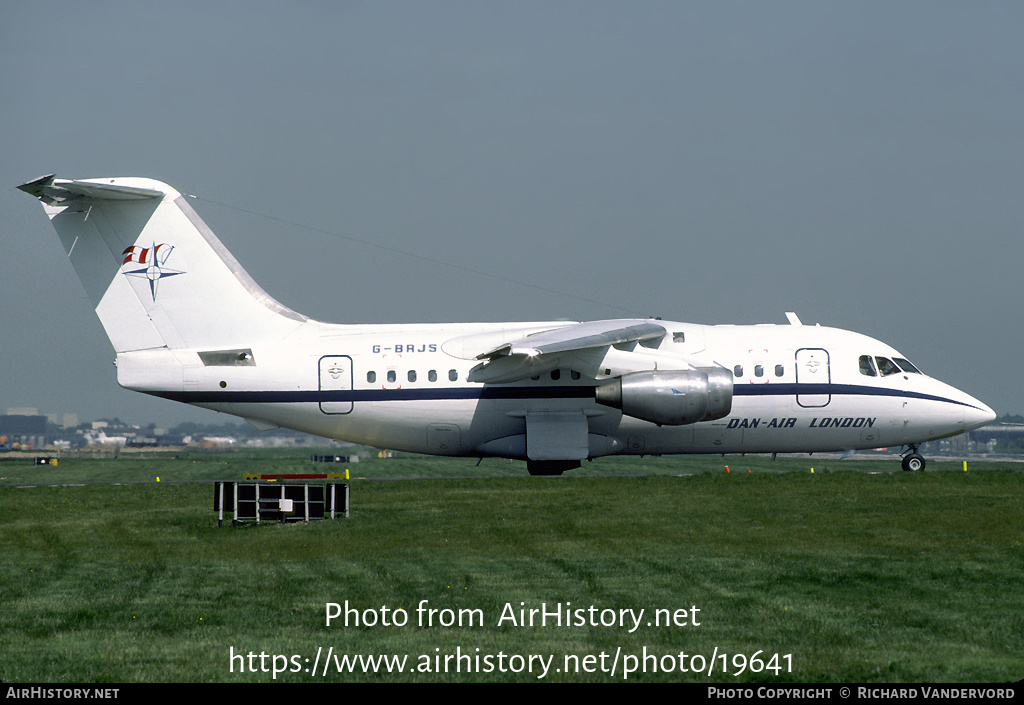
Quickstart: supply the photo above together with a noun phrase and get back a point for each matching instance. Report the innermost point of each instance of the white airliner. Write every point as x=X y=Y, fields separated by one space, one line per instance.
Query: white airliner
x=189 y=324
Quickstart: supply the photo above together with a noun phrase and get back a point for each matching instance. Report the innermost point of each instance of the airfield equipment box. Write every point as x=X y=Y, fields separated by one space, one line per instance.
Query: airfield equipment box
x=271 y=501
x=330 y=458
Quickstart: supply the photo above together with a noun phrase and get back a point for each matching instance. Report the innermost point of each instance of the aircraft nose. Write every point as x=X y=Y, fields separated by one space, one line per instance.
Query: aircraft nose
x=977 y=415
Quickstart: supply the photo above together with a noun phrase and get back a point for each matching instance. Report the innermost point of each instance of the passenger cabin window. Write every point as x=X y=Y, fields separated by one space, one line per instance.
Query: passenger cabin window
x=391 y=376
x=738 y=370
x=371 y=377
x=453 y=375
x=779 y=370
x=867 y=366
x=759 y=370
x=432 y=375
x=412 y=375
x=886 y=366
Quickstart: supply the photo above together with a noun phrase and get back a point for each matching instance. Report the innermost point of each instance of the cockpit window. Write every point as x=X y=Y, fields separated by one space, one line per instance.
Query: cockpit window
x=867 y=366
x=906 y=366
x=887 y=367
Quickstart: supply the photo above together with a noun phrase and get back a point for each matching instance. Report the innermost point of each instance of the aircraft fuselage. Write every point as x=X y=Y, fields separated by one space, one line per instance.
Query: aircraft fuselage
x=796 y=389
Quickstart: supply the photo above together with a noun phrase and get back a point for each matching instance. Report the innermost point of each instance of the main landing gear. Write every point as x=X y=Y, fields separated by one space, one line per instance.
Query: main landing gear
x=551 y=467
x=912 y=461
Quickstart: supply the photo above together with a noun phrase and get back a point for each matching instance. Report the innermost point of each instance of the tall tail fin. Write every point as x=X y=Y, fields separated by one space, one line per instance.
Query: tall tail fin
x=156 y=273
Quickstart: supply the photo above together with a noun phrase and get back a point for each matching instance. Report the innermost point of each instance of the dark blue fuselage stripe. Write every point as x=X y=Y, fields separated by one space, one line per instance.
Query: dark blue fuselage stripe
x=365 y=395
x=770 y=390
x=515 y=393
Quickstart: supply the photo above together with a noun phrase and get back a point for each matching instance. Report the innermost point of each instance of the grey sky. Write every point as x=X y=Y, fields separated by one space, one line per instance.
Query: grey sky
x=860 y=164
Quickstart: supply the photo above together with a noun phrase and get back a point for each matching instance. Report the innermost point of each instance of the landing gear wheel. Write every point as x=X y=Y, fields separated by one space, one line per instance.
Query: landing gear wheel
x=551 y=467
x=913 y=463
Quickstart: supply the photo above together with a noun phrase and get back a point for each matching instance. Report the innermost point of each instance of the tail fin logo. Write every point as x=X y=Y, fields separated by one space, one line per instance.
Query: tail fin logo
x=152 y=264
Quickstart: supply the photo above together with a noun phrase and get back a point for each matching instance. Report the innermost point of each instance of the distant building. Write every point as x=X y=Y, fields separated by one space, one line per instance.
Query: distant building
x=1008 y=436
x=22 y=430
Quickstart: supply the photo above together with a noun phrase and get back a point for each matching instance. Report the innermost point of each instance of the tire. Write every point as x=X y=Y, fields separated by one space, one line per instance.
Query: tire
x=913 y=463
x=551 y=467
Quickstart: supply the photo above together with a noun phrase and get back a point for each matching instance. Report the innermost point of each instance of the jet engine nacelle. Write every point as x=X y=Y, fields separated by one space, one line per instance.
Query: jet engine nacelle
x=670 y=397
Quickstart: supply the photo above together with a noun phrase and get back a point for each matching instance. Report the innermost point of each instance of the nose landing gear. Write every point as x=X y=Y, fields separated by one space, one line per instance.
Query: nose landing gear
x=912 y=461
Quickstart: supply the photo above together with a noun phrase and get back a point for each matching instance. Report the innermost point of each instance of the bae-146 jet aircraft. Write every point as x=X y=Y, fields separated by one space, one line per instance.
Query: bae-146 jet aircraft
x=189 y=324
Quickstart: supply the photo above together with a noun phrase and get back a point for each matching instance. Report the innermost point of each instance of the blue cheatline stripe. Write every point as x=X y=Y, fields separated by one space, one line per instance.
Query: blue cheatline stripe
x=769 y=390
x=365 y=395
x=514 y=393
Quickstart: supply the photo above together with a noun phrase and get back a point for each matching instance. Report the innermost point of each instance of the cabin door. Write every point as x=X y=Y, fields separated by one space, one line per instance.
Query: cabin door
x=813 y=378
x=336 y=384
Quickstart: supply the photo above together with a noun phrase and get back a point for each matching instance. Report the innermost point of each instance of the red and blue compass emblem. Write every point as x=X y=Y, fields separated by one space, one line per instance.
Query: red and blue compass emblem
x=152 y=264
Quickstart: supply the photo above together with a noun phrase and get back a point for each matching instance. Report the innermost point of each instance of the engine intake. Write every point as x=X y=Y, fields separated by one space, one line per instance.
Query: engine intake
x=670 y=397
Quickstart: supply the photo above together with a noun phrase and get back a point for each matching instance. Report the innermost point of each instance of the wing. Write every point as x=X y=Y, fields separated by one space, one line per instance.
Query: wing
x=540 y=352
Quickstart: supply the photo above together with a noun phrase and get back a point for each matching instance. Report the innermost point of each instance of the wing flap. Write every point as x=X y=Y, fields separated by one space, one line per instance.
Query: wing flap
x=594 y=334
x=541 y=352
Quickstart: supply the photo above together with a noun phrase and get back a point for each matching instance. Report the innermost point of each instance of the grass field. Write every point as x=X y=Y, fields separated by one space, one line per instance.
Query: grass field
x=855 y=573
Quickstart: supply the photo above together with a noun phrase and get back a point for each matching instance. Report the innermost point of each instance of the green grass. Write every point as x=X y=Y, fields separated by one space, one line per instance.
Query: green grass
x=190 y=465
x=862 y=577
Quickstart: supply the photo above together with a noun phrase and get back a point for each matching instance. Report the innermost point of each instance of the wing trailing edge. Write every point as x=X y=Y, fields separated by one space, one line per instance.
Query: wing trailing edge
x=581 y=336
x=540 y=352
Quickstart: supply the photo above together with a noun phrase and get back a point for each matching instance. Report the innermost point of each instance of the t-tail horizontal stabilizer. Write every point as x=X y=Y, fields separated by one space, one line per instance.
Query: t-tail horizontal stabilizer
x=157 y=275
